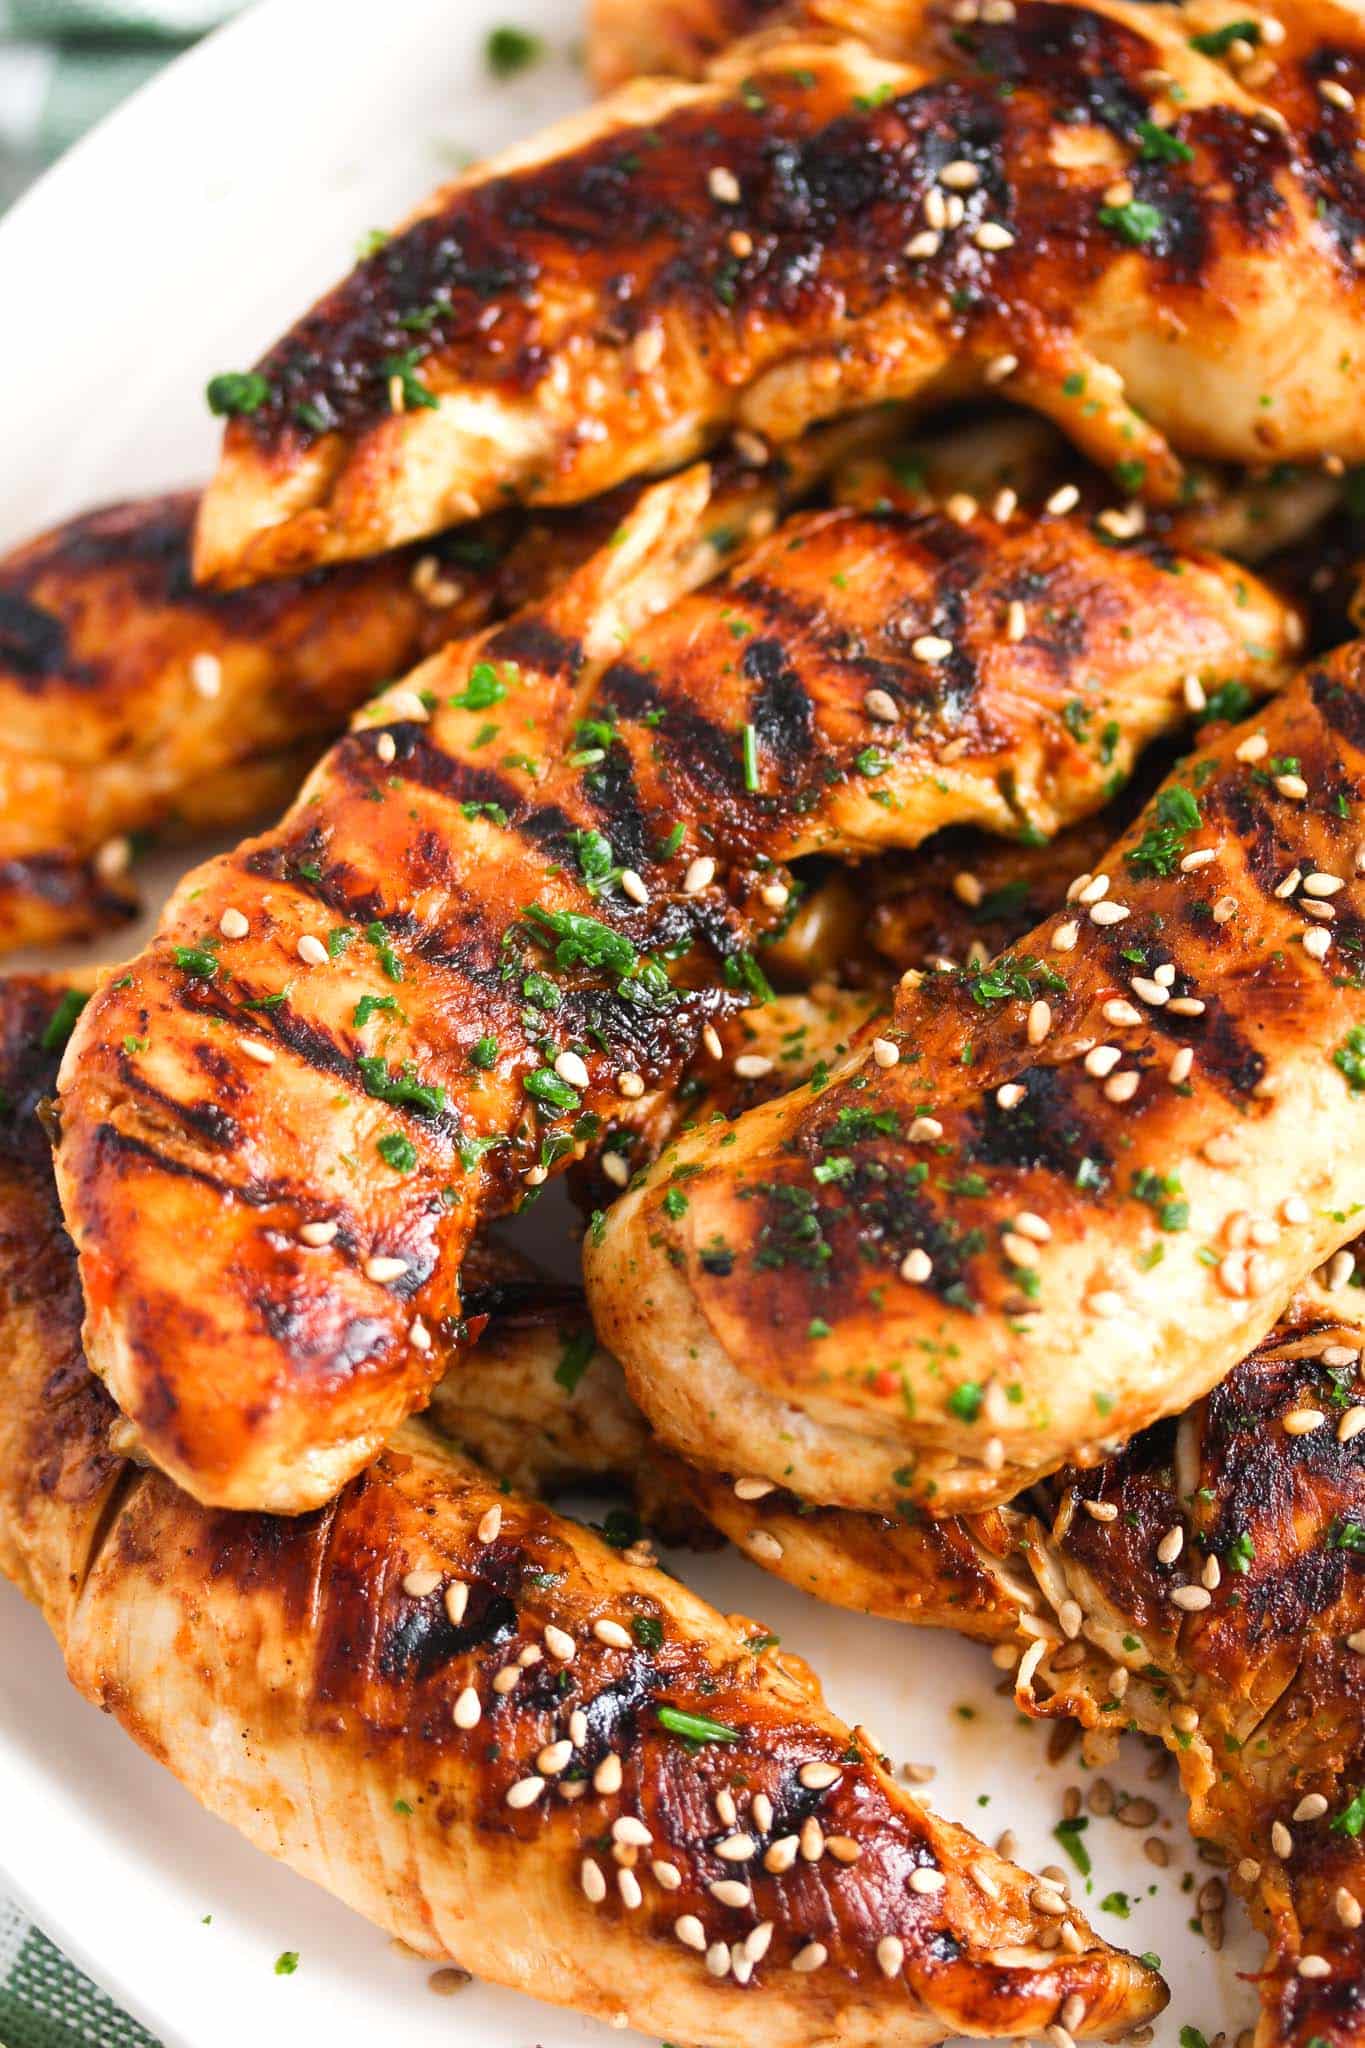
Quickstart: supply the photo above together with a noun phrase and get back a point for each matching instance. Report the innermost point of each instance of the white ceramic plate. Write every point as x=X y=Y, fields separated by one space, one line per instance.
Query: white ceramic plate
x=173 y=243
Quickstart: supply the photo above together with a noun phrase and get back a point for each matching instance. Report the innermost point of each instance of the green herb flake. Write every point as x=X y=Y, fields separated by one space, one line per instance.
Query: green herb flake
x=574 y=1359
x=695 y=1727
x=62 y=1022
x=397 y=1151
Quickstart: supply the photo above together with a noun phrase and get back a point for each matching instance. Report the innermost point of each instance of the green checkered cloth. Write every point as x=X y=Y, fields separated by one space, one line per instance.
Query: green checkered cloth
x=46 y=2003
x=64 y=63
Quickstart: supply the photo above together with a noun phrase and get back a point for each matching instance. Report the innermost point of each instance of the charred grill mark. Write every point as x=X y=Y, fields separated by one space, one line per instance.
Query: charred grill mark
x=417 y=759
x=533 y=644
x=1333 y=172
x=33 y=643
x=1051 y=1131
x=780 y=710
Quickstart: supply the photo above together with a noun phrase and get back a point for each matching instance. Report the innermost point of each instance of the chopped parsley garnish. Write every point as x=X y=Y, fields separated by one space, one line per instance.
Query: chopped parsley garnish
x=582 y=940
x=1346 y=1535
x=1240 y=1553
x=404 y=368
x=965 y=1400
x=695 y=1727
x=1230 y=701
x=483 y=1053
x=1216 y=42
x=198 y=961
x=485 y=687
x=1159 y=146
x=674 y=1203
x=1020 y=976
x=383 y=946
x=510 y=50
x=402 y=1090
x=743 y=971
x=851 y=1124
x=574 y=1360
x=1068 y=1833
x=367 y=1006
x=750 y=758
x=1137 y=221
x=338 y=939
x=286 y=1964
x=1117 y=1903
x=550 y=1090
x=236 y=391
x=1159 y=850
x=1161 y=1193
x=1349 y=1058
x=596 y=861
x=648 y=1631
x=62 y=1022
x=1351 y=1819
x=397 y=1151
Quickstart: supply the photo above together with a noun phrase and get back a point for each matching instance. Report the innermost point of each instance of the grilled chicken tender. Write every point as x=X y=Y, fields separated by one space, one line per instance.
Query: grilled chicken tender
x=438 y=1699
x=131 y=701
x=1066 y=1191
x=518 y=894
x=1137 y=241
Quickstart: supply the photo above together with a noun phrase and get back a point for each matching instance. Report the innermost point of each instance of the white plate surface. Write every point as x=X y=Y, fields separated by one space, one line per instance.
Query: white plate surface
x=173 y=243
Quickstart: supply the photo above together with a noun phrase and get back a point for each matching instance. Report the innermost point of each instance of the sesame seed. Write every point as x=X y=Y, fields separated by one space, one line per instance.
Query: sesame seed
x=633 y=886
x=468 y=1712
x=1200 y=858
x=885 y=1052
x=1005 y=506
x=571 y=1068
x=1010 y=1094
x=1336 y=94
x=386 y=748
x=930 y=647
x=1107 y=1302
x=1292 y=786
x=578 y=1728
x=926 y=1881
x=615 y=1169
x=916 y=1267
x=812 y=1839
x=782 y=1854
x=612 y=1634
x=813 y=1956
x=667 y=1876
x=1311 y=1807
x=718 y=1959
x=776 y=895
x=1321 y=884
x=490 y=1524
x=737 y=1849
x=506 y=1680
x=382 y=1270
x=317 y=1234
x=701 y=872
x=417 y=1584
x=206 y=673
x=1303 y=1421
x=753 y=1066
x=924 y=1130
x=264 y=1055
x=723 y=186
x=608 y=1776
x=1102 y=1060
x=924 y=244
x=1119 y=1012
x=1314 y=1966
x=732 y=1892
x=882 y=706
x=233 y=925
x=554 y=1758
x=960 y=175
x=1192 y=1599
x=1186 y=1006
x=1064 y=500
x=890 y=1955
x=1039 y=1021
x=632 y=1832
x=456 y=1601
x=763 y=1544
x=1109 y=913
x=1153 y=992
x=1122 y=1087
x=1254 y=749
x=961 y=507
x=1281 y=1841
x=1317 y=943
x=1044 y=1898
x=1101 y=1510
x=1171 y=1544
x=992 y=235
x=628 y=1885
x=818 y=1777
x=1064 y=939
x=591 y=1879
x=1350 y=1425
x=311 y=951
x=936 y=208
x=1196 y=698
x=690 y=1932
x=967 y=888
x=1348 y=1907
x=1091 y=889
x=632 y=1086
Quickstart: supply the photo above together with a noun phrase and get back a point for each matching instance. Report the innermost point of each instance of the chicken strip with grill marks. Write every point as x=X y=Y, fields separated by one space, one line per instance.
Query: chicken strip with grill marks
x=517 y=894
x=1135 y=241
x=438 y=1699
x=1001 y=1241
x=131 y=701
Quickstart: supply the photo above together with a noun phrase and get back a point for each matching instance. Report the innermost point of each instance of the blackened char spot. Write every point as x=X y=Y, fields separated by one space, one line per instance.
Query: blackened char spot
x=1047 y=1132
x=531 y=643
x=422 y=1640
x=613 y=1714
x=1341 y=706
x=33 y=643
x=780 y=711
